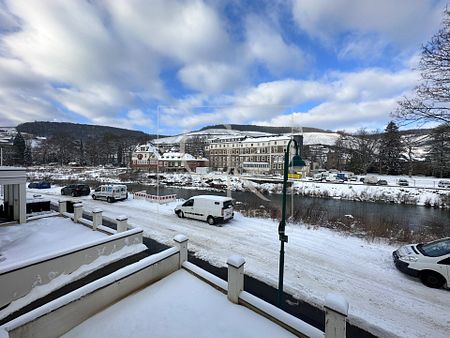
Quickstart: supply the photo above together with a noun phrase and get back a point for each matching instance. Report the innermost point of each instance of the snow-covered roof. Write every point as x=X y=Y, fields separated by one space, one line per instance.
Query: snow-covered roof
x=210 y=133
x=177 y=156
x=214 y=197
x=148 y=147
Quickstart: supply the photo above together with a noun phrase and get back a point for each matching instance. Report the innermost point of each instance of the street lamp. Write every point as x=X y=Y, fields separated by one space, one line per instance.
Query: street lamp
x=297 y=163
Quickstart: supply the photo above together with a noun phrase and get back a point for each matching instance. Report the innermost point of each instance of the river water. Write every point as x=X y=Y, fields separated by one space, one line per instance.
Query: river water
x=380 y=218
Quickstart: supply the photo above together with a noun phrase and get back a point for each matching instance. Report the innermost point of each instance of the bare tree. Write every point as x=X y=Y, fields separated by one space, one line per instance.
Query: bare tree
x=363 y=150
x=431 y=99
x=412 y=143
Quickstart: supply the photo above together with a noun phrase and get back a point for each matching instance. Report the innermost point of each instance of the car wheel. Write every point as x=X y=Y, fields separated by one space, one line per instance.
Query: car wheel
x=180 y=214
x=94 y=197
x=73 y=194
x=211 y=220
x=109 y=200
x=432 y=279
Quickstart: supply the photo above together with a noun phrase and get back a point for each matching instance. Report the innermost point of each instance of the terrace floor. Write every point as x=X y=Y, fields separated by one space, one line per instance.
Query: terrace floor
x=42 y=237
x=179 y=305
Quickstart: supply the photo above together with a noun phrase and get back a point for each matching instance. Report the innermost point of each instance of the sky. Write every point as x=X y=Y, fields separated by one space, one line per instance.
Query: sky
x=166 y=66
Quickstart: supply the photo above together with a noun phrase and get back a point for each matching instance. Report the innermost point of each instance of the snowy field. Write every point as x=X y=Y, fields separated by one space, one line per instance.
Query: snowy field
x=168 y=308
x=318 y=261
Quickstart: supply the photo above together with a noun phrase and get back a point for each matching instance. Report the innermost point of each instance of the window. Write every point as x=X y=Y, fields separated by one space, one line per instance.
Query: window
x=188 y=203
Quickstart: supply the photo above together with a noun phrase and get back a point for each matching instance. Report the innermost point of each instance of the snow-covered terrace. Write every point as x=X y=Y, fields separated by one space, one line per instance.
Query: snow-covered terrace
x=180 y=305
x=44 y=254
x=165 y=296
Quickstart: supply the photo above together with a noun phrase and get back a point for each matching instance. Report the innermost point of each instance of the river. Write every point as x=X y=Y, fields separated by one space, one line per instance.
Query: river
x=379 y=218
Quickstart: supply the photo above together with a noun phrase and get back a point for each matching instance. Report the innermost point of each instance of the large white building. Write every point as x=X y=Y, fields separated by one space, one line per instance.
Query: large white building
x=250 y=154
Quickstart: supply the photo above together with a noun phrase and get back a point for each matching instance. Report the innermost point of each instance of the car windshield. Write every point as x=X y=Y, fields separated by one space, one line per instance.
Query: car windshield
x=436 y=248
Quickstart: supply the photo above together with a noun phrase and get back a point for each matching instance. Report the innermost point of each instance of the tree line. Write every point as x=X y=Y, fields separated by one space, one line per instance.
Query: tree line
x=63 y=149
x=391 y=152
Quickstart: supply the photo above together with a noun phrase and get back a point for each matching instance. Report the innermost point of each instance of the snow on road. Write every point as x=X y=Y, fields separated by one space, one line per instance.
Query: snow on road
x=318 y=261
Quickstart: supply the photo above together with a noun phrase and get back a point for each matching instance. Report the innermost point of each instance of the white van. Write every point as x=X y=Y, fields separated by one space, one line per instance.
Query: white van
x=111 y=192
x=208 y=208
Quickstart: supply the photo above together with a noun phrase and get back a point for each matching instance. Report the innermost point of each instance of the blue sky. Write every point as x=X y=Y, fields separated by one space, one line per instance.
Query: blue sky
x=181 y=65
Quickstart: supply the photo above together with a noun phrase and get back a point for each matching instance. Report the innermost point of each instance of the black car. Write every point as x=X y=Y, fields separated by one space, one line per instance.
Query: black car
x=39 y=185
x=382 y=182
x=76 y=190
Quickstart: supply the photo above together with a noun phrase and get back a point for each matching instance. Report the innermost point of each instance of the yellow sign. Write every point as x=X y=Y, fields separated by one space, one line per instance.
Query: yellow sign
x=298 y=176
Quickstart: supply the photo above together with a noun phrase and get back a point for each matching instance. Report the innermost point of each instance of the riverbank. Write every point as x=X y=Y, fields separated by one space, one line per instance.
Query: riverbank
x=423 y=191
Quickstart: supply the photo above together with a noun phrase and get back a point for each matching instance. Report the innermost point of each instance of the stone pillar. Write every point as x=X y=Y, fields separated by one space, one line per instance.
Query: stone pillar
x=77 y=212
x=181 y=242
x=122 y=223
x=336 y=311
x=235 y=277
x=16 y=202
x=97 y=218
x=62 y=206
x=22 y=203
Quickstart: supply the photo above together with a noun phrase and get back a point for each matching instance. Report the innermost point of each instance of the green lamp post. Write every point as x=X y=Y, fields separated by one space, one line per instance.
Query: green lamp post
x=297 y=163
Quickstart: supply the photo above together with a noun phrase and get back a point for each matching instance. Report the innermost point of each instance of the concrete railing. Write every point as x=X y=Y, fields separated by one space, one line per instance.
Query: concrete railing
x=61 y=315
x=17 y=280
x=142 y=195
x=336 y=307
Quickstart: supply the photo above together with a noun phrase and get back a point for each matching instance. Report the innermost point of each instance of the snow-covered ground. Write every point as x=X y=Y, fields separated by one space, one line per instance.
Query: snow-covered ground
x=421 y=191
x=179 y=305
x=318 y=261
x=42 y=237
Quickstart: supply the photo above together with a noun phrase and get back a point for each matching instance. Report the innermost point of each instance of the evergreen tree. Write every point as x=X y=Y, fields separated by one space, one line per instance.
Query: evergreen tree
x=19 y=149
x=439 y=155
x=27 y=157
x=391 y=150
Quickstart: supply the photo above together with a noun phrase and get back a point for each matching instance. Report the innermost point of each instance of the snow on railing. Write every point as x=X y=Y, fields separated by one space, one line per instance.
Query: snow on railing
x=142 y=195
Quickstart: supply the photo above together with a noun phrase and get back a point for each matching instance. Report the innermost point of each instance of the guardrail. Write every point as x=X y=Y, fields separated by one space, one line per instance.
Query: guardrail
x=142 y=195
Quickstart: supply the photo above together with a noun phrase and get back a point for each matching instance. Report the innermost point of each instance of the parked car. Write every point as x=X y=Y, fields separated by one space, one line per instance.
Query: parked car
x=382 y=182
x=39 y=185
x=111 y=192
x=76 y=190
x=430 y=262
x=371 y=179
x=444 y=184
x=403 y=182
x=208 y=208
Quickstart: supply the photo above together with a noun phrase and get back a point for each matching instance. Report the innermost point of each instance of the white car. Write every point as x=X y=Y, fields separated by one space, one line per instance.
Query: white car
x=210 y=208
x=111 y=192
x=430 y=262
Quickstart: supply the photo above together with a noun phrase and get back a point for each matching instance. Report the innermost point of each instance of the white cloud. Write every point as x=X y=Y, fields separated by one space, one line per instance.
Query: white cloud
x=266 y=45
x=339 y=115
x=338 y=100
x=407 y=23
x=211 y=77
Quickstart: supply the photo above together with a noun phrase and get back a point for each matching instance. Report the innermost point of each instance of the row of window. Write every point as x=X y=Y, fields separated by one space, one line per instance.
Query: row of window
x=242 y=145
